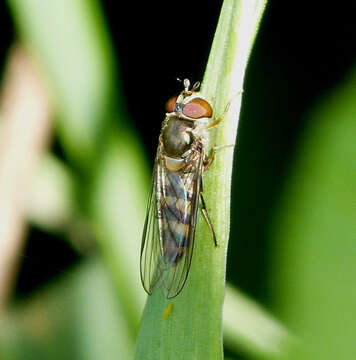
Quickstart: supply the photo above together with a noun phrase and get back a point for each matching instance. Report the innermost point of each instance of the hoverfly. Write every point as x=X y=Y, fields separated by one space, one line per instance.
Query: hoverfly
x=168 y=235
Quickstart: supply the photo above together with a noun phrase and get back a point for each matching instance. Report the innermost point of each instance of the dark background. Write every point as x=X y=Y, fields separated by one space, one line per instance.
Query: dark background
x=300 y=54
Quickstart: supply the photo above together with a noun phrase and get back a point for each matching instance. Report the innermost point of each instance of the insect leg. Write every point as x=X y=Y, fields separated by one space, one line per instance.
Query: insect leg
x=214 y=123
x=219 y=119
x=219 y=147
x=208 y=160
x=205 y=213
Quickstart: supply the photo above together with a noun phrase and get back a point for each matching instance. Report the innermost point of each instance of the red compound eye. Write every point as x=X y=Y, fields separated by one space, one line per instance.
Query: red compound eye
x=170 y=104
x=198 y=108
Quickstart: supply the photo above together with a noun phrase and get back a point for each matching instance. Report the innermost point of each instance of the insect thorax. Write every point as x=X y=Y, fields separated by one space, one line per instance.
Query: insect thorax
x=177 y=136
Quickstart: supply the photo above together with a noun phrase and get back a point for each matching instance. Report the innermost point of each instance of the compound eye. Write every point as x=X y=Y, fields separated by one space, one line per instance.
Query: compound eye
x=170 y=104
x=198 y=108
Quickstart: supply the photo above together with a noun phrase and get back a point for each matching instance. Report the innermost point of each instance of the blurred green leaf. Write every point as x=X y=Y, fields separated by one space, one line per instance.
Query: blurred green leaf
x=77 y=318
x=51 y=200
x=71 y=44
x=194 y=327
x=118 y=212
x=81 y=73
x=248 y=328
x=314 y=259
x=70 y=41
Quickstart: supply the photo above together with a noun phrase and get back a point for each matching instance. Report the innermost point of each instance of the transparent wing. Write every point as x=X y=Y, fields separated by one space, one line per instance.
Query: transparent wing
x=151 y=265
x=168 y=237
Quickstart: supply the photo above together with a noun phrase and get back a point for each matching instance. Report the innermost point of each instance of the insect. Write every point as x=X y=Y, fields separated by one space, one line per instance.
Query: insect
x=169 y=230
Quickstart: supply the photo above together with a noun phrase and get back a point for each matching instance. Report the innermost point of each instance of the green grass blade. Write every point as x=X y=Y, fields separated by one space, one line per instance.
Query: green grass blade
x=193 y=330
